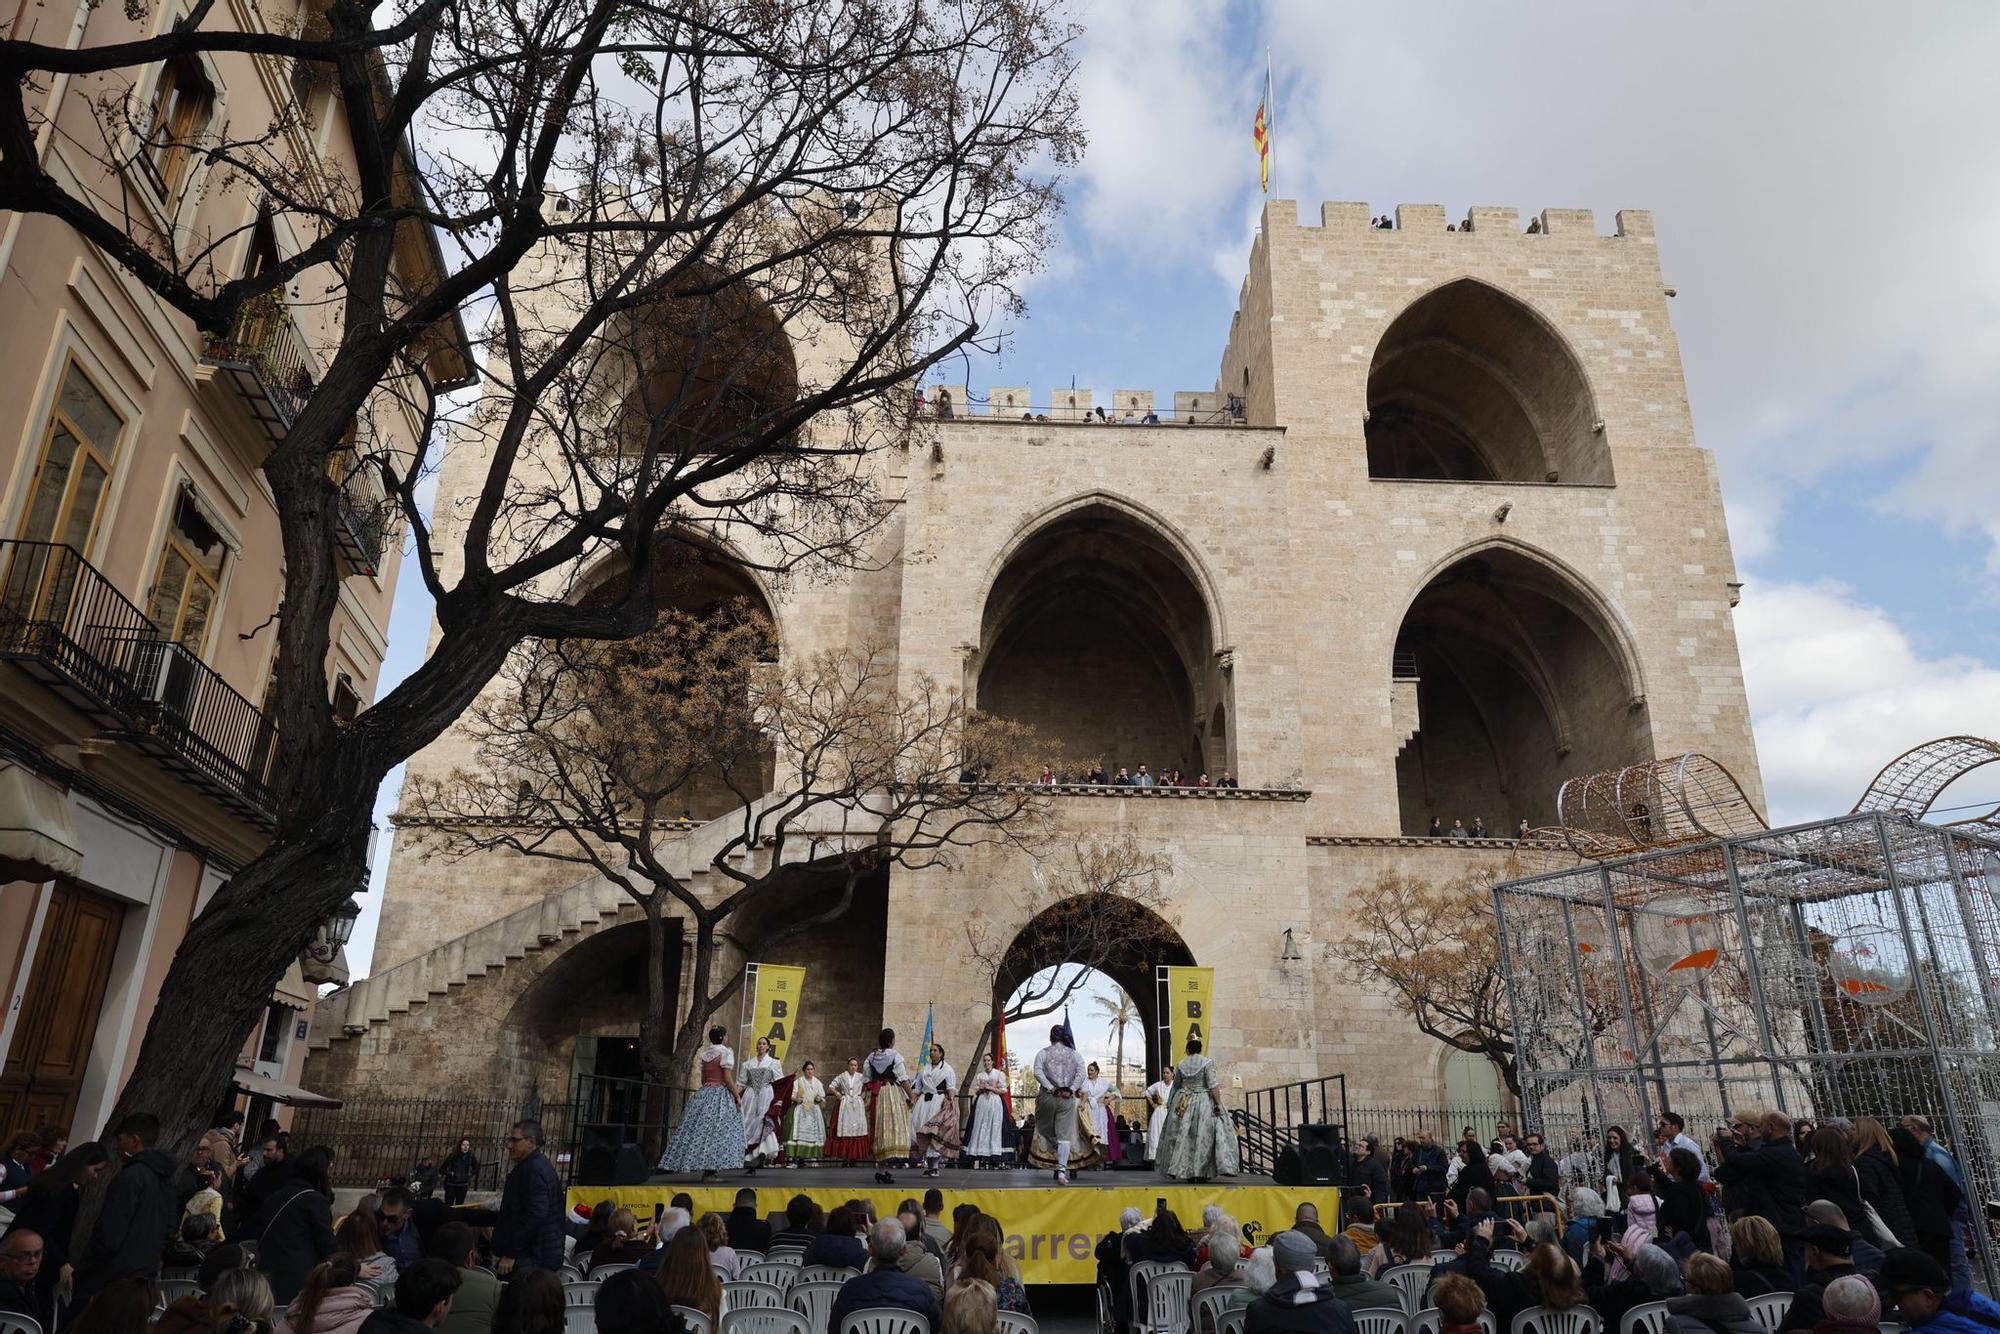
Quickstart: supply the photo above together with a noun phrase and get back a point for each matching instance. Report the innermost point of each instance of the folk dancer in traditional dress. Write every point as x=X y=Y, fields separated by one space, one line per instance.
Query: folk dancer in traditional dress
x=889 y=1096
x=1059 y=1072
x=851 y=1141
x=1198 y=1142
x=808 y=1137
x=1156 y=1098
x=989 y=1111
x=1098 y=1096
x=710 y=1135
x=758 y=1074
x=934 y=1114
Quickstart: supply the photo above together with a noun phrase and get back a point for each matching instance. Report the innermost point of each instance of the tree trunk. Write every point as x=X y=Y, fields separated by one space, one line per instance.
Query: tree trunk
x=657 y=1056
x=1118 y=1080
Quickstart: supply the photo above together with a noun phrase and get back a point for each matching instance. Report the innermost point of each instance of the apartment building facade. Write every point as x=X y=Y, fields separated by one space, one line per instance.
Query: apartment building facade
x=141 y=566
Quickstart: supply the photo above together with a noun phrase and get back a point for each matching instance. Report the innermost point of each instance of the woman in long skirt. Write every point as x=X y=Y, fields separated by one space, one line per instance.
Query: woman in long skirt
x=808 y=1138
x=758 y=1074
x=710 y=1135
x=888 y=1099
x=851 y=1140
x=989 y=1111
x=1198 y=1142
x=934 y=1116
x=1091 y=1108
x=1156 y=1098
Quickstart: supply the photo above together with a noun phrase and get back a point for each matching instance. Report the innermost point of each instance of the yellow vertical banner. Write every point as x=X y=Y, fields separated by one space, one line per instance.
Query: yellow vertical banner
x=774 y=1005
x=1190 y=997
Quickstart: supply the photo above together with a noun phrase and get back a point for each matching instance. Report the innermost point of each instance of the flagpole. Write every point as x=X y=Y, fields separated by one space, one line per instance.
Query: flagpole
x=1270 y=116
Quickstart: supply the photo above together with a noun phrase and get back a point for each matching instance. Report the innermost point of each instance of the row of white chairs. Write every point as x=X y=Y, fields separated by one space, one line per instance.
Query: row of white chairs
x=806 y=1307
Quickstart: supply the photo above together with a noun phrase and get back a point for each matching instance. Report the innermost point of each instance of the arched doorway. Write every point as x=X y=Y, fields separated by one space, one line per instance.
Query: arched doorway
x=1523 y=679
x=1469 y=384
x=1474 y=1095
x=1097 y=633
x=697 y=577
x=699 y=370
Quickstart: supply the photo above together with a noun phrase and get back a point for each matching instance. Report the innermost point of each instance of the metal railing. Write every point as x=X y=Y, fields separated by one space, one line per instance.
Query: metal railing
x=63 y=619
x=1270 y=1118
x=1064 y=415
x=364 y=514
x=376 y=1141
x=66 y=623
x=267 y=345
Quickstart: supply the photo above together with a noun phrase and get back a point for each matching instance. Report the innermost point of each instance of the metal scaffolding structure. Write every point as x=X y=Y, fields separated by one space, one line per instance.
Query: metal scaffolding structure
x=1845 y=968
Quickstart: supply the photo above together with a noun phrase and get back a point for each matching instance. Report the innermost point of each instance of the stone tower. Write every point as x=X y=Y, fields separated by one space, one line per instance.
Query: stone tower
x=1438 y=538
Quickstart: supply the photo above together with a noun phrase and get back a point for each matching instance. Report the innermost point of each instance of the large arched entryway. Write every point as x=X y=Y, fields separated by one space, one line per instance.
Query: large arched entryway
x=1469 y=384
x=1523 y=679
x=1097 y=633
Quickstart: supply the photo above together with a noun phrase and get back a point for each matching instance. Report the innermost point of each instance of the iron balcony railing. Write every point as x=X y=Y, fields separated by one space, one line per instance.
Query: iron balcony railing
x=362 y=525
x=265 y=354
x=70 y=628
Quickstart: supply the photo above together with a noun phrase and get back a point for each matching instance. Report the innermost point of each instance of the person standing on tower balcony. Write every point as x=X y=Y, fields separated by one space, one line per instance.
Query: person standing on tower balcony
x=1143 y=778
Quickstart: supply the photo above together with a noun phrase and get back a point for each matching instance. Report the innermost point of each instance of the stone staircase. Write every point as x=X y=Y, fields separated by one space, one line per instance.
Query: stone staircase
x=581 y=909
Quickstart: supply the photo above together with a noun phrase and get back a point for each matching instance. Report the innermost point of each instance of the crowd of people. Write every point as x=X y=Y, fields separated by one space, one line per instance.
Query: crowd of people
x=752 y=1114
x=1458 y=829
x=1098 y=776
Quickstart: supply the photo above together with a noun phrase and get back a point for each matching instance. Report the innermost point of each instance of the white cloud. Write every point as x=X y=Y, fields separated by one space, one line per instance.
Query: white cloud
x=1837 y=690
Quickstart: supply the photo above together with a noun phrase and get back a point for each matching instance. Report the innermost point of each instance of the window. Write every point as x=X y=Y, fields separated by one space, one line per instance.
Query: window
x=184 y=595
x=182 y=103
x=75 y=469
x=346 y=699
x=277 y=1027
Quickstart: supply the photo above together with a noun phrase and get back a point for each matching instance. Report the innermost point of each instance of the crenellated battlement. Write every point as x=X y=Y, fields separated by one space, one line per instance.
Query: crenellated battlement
x=1485 y=219
x=1015 y=403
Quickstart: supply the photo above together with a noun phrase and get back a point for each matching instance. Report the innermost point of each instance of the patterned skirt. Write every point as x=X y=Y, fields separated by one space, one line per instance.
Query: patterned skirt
x=808 y=1133
x=940 y=1132
x=710 y=1135
x=892 y=1119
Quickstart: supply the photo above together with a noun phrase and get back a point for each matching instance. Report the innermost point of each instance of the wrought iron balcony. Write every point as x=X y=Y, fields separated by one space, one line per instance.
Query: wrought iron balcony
x=68 y=627
x=363 y=520
x=265 y=356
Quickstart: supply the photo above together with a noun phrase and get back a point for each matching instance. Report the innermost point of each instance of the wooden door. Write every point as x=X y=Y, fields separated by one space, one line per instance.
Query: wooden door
x=48 y=1058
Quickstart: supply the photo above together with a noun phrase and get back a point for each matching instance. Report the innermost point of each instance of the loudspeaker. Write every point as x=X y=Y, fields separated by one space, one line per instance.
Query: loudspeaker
x=596 y=1165
x=632 y=1168
x=1319 y=1154
x=1286 y=1172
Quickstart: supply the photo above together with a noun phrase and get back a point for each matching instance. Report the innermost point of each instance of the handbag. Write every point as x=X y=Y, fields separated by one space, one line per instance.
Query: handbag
x=1878 y=1230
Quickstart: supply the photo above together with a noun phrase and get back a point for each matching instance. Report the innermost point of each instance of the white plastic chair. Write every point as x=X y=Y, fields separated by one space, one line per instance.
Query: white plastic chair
x=1013 y=1322
x=1411 y=1281
x=13 y=1323
x=581 y=1260
x=826 y=1274
x=1232 y=1320
x=1208 y=1304
x=740 y=1296
x=1544 y=1320
x=795 y=1256
x=582 y=1293
x=1443 y=1257
x=744 y=1259
x=579 y=1320
x=1142 y=1273
x=764 y=1320
x=776 y=1273
x=1511 y=1260
x=1430 y=1320
x=1894 y=1327
x=814 y=1301
x=1380 y=1320
x=697 y=1320
x=1770 y=1310
x=1645 y=1318
x=1107 y=1308
x=1169 y=1295
x=173 y=1289
x=884 y=1320
x=569 y=1273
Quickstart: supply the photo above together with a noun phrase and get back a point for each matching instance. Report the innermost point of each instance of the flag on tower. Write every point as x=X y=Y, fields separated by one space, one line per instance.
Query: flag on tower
x=924 y=1056
x=1261 y=132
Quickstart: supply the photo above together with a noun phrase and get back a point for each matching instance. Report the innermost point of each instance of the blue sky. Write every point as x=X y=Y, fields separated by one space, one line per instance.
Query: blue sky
x=1825 y=183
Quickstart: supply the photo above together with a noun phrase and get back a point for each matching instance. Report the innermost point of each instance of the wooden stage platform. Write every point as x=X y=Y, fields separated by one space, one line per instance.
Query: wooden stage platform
x=1052 y=1230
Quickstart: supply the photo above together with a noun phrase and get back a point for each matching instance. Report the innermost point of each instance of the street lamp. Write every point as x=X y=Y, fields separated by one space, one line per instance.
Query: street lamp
x=334 y=932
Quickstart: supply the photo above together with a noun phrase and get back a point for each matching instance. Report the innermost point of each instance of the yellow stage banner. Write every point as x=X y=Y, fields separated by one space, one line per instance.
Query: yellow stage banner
x=1190 y=997
x=774 y=1010
x=1052 y=1231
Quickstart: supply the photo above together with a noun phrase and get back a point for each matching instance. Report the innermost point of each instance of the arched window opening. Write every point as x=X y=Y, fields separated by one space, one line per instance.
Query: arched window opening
x=1522 y=681
x=1097 y=634
x=704 y=372
x=1469 y=384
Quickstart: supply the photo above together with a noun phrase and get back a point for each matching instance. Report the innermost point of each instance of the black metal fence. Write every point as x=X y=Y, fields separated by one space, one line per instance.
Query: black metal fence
x=379 y=1140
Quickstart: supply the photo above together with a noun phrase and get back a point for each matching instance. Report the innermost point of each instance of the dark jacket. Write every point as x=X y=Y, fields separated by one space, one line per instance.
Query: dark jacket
x=1362 y=1293
x=187 y=1315
x=293 y=1234
x=1842 y=1188
x=1807 y=1309
x=1544 y=1177
x=1683 y=1208
x=459 y=1170
x=1727 y=1314
x=1928 y=1190
x=1475 y=1175
x=32 y=1301
x=884 y=1287
x=1289 y=1309
x=1883 y=1188
x=53 y=1215
x=747 y=1232
x=530 y=1230
x=132 y=1227
x=1760 y=1280
x=830 y=1248
x=1770 y=1181
x=792 y=1239
x=1431 y=1166
x=1373 y=1172
x=389 y=1320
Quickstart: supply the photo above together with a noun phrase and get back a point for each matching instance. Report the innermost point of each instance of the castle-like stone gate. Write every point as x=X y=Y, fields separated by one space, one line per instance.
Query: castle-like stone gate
x=1459 y=545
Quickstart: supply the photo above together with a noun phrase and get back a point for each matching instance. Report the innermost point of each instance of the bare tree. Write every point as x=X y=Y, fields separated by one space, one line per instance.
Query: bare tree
x=704 y=246
x=592 y=747
x=1096 y=904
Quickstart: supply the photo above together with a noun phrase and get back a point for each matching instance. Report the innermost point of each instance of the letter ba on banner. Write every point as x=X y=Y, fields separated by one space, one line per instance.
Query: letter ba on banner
x=1186 y=1005
x=774 y=1005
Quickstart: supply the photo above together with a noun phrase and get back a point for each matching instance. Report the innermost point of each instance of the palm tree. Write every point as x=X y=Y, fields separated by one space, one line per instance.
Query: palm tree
x=1121 y=1013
